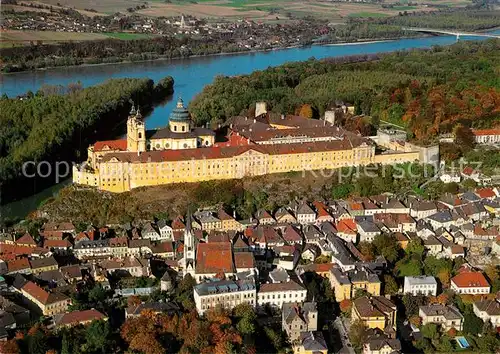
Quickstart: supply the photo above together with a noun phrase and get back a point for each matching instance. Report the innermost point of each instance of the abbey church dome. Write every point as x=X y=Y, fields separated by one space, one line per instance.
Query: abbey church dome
x=180 y=113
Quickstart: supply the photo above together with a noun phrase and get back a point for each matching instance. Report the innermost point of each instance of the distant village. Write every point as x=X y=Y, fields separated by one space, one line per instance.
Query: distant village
x=264 y=261
x=247 y=33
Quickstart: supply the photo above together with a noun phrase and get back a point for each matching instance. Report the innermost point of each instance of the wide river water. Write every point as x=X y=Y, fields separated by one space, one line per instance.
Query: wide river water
x=190 y=76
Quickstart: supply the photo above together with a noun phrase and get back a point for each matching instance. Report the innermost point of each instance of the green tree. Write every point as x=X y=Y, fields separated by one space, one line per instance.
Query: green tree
x=387 y=246
x=96 y=337
x=409 y=267
x=412 y=303
x=472 y=324
x=444 y=344
x=97 y=294
x=357 y=333
x=429 y=330
x=390 y=285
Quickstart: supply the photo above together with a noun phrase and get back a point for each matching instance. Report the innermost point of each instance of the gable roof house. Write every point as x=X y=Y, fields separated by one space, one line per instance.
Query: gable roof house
x=284 y=216
x=488 y=310
x=166 y=231
x=375 y=312
x=49 y=303
x=445 y=315
x=292 y=235
x=76 y=318
x=264 y=217
x=297 y=318
x=305 y=214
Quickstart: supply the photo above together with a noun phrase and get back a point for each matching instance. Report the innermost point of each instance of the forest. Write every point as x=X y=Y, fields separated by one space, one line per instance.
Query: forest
x=58 y=123
x=427 y=91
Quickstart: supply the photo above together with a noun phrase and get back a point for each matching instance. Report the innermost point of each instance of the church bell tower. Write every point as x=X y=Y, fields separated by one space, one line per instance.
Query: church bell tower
x=189 y=248
x=136 y=131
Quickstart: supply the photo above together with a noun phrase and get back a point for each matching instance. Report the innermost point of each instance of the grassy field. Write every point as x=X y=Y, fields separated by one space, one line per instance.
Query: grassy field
x=17 y=38
x=259 y=10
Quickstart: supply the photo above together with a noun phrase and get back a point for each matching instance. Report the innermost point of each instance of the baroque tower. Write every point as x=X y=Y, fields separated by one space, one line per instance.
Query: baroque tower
x=179 y=121
x=189 y=248
x=136 y=131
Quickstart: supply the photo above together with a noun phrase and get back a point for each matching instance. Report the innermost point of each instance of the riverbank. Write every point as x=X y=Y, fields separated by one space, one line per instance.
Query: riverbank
x=240 y=52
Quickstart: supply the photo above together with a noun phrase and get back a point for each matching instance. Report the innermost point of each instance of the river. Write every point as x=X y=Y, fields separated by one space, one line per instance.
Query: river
x=190 y=76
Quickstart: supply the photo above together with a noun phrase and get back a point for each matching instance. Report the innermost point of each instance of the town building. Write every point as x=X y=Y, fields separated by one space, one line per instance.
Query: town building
x=382 y=346
x=347 y=283
x=258 y=146
x=488 y=310
x=49 y=303
x=375 y=312
x=297 y=318
x=311 y=343
x=276 y=294
x=76 y=318
x=420 y=285
x=470 y=282
x=444 y=315
x=486 y=136
x=224 y=293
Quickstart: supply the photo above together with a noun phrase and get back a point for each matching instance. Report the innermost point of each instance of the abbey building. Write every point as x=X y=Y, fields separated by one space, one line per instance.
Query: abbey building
x=250 y=146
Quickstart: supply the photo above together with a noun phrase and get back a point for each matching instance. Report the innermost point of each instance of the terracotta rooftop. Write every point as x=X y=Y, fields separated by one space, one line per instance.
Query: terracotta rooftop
x=214 y=257
x=375 y=306
x=77 y=317
x=486 y=192
x=470 y=280
x=480 y=132
x=57 y=243
x=346 y=226
x=41 y=295
x=26 y=239
x=243 y=260
x=111 y=145
x=229 y=152
x=18 y=264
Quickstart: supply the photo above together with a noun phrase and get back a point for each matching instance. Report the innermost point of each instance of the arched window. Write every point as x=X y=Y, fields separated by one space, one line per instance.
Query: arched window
x=175 y=128
x=140 y=135
x=183 y=127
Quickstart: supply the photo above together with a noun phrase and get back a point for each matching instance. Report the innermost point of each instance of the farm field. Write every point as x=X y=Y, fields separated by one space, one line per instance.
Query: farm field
x=16 y=38
x=261 y=10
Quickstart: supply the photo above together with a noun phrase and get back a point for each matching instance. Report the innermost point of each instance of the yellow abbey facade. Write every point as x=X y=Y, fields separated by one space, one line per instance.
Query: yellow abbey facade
x=251 y=147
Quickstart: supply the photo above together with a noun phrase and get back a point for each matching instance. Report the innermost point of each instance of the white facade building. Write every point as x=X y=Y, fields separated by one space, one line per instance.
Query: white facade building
x=276 y=294
x=425 y=285
x=225 y=293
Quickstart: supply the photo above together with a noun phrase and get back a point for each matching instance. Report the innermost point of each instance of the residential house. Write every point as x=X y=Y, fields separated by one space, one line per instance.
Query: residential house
x=19 y=265
x=421 y=209
x=470 y=282
x=166 y=231
x=276 y=294
x=311 y=343
x=58 y=246
x=49 y=303
x=208 y=220
x=283 y=216
x=163 y=250
x=43 y=265
x=425 y=285
x=118 y=246
x=322 y=214
x=382 y=346
x=394 y=206
x=166 y=283
x=347 y=230
x=228 y=222
x=26 y=240
x=264 y=217
x=225 y=293
x=297 y=318
x=347 y=283
x=292 y=235
x=305 y=214
x=402 y=239
x=90 y=249
x=76 y=318
x=433 y=246
x=375 y=312
x=367 y=230
x=213 y=258
x=151 y=232
x=128 y=266
x=488 y=310
x=486 y=136
x=446 y=316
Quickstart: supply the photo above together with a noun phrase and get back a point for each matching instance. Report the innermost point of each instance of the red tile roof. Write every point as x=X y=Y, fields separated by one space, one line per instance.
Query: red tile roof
x=77 y=317
x=26 y=239
x=18 y=264
x=291 y=234
x=214 y=257
x=486 y=192
x=41 y=295
x=346 y=226
x=244 y=260
x=15 y=250
x=57 y=243
x=470 y=280
x=480 y=132
x=319 y=268
x=229 y=152
x=178 y=224
x=111 y=145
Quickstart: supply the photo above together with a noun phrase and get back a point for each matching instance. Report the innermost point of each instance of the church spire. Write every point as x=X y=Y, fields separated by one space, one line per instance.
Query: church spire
x=132 y=110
